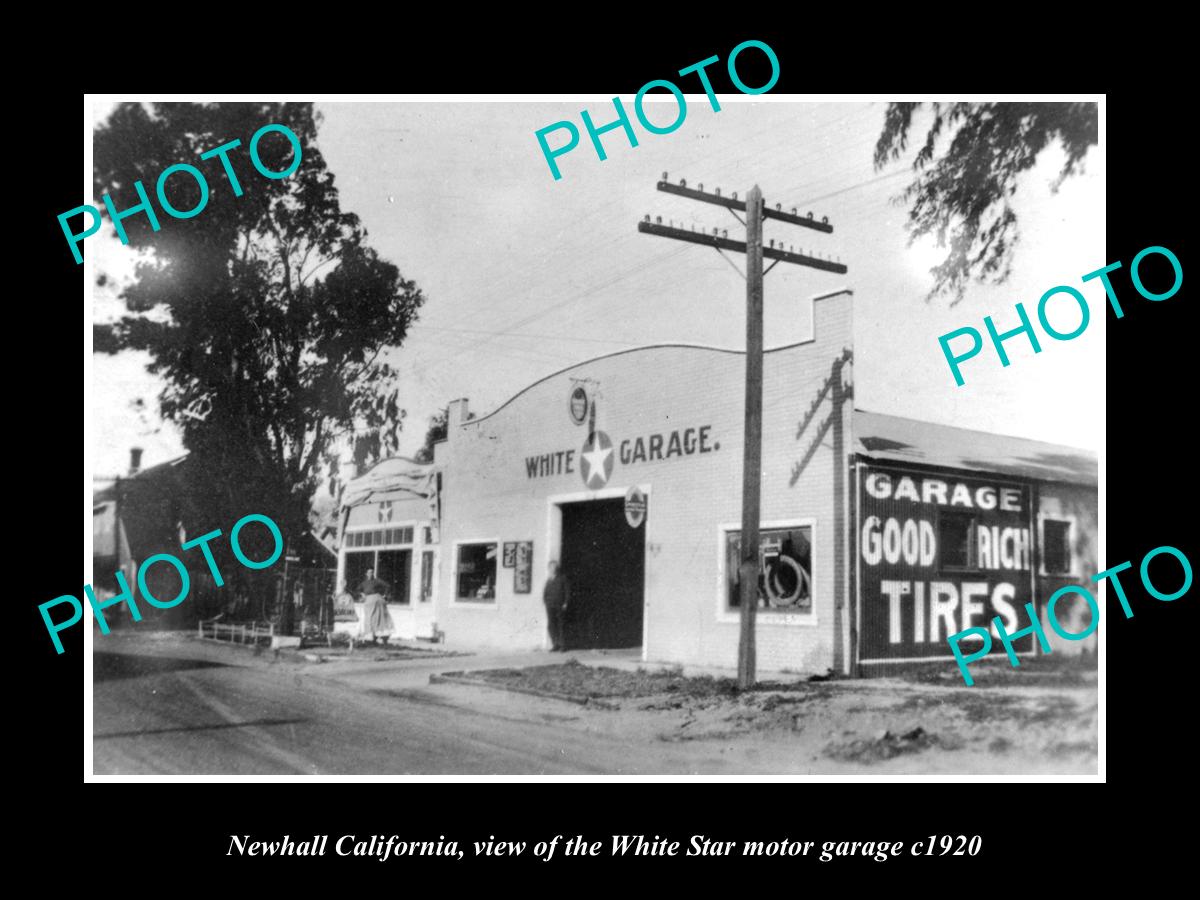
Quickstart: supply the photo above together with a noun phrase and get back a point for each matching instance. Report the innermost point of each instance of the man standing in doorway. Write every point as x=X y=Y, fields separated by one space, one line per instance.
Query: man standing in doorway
x=557 y=596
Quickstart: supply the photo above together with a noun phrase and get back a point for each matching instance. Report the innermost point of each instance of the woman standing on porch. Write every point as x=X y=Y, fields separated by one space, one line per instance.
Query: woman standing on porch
x=376 y=621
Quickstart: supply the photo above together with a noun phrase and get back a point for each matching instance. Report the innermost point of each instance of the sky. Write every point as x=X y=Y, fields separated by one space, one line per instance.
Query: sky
x=525 y=275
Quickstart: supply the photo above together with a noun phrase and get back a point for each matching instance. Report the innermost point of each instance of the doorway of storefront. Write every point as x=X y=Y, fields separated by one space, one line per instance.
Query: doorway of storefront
x=604 y=561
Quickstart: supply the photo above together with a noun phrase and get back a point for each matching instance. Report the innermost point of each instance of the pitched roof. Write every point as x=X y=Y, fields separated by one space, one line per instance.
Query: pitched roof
x=895 y=439
x=156 y=501
x=153 y=504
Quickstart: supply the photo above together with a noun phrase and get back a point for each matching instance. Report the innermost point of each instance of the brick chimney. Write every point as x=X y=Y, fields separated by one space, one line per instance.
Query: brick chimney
x=135 y=460
x=456 y=414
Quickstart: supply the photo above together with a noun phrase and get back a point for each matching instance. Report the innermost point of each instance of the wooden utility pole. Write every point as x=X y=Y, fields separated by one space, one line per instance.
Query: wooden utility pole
x=756 y=211
x=752 y=446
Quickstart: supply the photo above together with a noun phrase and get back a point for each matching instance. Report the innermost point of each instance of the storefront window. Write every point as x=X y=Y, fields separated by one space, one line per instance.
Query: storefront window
x=476 y=573
x=954 y=539
x=357 y=563
x=379 y=537
x=1056 y=547
x=393 y=566
x=785 y=575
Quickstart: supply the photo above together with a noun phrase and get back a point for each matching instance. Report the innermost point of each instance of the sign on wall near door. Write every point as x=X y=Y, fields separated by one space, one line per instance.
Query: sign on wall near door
x=523 y=576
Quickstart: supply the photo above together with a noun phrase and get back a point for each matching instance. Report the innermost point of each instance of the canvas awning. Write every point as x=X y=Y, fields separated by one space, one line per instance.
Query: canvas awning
x=397 y=475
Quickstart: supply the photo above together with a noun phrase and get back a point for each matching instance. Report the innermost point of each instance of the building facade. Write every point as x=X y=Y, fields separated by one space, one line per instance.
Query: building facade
x=551 y=469
x=880 y=536
x=389 y=524
x=956 y=527
x=150 y=512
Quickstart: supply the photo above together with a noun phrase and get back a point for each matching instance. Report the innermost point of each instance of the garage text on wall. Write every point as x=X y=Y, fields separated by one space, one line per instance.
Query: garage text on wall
x=655 y=447
x=938 y=556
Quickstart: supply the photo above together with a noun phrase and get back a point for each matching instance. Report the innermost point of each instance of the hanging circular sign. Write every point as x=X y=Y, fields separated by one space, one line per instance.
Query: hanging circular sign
x=635 y=507
x=597 y=460
x=579 y=404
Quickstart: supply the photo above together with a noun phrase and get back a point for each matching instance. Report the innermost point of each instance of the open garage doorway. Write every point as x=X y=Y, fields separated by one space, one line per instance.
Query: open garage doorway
x=604 y=561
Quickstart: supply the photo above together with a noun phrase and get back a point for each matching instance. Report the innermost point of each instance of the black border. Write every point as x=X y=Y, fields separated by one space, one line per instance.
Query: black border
x=1149 y=494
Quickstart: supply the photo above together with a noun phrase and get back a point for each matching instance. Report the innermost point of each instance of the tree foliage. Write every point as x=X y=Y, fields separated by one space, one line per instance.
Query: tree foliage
x=962 y=196
x=438 y=423
x=266 y=314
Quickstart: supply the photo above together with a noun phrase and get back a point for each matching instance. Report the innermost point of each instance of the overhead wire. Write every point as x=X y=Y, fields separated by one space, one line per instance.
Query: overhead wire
x=524 y=276
x=614 y=242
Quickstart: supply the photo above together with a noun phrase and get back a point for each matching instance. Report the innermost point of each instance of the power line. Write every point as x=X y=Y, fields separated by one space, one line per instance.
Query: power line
x=511 y=330
x=571 y=299
x=615 y=247
x=527 y=334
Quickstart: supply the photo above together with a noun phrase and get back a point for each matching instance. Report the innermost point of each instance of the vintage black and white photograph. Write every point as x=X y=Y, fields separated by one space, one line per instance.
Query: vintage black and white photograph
x=671 y=435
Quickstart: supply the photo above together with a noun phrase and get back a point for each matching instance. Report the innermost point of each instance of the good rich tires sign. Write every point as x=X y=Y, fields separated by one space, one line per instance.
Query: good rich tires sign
x=938 y=554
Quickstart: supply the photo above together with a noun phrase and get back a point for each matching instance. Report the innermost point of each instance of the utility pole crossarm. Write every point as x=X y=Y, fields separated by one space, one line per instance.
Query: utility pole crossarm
x=721 y=243
x=732 y=203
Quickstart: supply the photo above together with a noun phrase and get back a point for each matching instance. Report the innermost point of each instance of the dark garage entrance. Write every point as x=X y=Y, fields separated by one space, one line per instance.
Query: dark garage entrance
x=604 y=561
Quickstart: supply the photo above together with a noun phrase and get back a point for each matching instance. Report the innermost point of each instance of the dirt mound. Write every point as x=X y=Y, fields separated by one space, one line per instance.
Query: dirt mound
x=887 y=745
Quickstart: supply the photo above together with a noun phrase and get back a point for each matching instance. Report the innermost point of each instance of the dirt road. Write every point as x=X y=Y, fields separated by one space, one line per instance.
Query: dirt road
x=166 y=703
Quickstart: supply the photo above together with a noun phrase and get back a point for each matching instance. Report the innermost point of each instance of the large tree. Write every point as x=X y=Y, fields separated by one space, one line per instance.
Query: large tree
x=967 y=171
x=266 y=314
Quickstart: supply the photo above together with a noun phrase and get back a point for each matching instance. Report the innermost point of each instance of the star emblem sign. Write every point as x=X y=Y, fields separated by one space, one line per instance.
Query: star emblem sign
x=597 y=456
